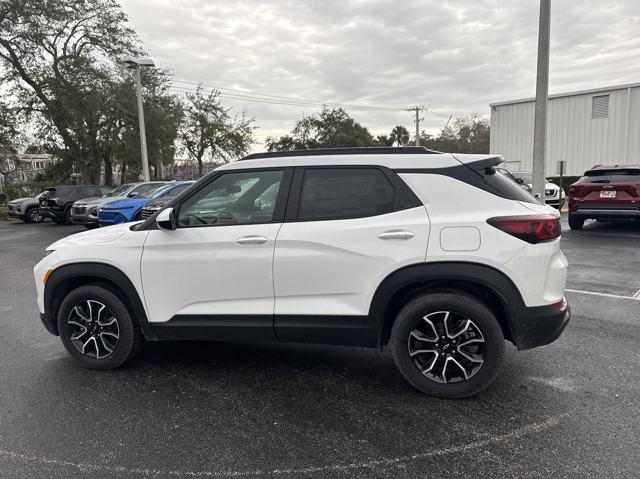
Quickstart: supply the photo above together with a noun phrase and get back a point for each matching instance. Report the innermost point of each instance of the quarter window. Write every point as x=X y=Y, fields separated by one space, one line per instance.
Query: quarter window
x=233 y=198
x=338 y=193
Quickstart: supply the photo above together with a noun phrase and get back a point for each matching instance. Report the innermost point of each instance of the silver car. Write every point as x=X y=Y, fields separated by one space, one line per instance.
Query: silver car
x=85 y=211
x=25 y=209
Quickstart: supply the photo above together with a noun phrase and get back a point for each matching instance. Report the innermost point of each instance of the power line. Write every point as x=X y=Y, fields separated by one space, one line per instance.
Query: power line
x=277 y=99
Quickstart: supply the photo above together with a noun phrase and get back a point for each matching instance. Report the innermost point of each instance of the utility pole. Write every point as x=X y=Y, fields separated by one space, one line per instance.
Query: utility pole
x=542 y=93
x=143 y=136
x=417 y=121
x=135 y=64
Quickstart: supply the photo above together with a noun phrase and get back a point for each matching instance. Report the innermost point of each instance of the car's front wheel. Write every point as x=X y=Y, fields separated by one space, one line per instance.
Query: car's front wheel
x=447 y=344
x=97 y=329
x=33 y=215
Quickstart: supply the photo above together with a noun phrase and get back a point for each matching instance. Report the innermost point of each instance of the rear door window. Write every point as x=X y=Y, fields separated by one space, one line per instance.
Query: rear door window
x=339 y=193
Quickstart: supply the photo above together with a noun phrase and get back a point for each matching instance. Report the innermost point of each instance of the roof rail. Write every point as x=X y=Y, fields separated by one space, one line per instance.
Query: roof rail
x=387 y=150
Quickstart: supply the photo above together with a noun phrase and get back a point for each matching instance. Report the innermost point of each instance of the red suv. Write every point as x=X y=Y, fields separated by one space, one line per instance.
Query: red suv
x=605 y=193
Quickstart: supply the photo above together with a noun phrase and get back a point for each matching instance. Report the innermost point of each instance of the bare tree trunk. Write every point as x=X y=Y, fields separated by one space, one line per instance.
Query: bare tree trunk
x=108 y=171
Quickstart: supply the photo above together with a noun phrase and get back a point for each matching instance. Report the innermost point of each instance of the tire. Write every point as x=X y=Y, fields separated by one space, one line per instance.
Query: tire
x=67 y=217
x=31 y=215
x=97 y=347
x=481 y=358
x=575 y=223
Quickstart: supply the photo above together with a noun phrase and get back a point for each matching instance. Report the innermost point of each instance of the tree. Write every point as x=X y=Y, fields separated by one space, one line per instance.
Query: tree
x=208 y=132
x=53 y=53
x=330 y=128
x=8 y=135
x=399 y=136
x=468 y=134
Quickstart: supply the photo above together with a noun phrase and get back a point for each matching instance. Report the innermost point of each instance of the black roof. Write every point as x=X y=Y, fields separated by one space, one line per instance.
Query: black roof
x=390 y=150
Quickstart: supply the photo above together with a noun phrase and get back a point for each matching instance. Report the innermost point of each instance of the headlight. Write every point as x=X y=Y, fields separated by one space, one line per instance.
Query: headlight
x=94 y=211
x=47 y=252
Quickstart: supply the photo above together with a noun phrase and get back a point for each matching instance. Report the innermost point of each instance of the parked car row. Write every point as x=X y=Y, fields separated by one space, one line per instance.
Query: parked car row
x=94 y=205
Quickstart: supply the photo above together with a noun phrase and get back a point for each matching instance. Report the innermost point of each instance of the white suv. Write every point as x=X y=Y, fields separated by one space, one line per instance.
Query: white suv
x=433 y=255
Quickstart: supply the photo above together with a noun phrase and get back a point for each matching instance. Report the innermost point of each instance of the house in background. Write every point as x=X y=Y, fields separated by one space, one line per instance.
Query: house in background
x=22 y=168
x=584 y=128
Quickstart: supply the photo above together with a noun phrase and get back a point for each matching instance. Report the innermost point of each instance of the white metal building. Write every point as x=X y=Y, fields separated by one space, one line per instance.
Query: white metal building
x=584 y=128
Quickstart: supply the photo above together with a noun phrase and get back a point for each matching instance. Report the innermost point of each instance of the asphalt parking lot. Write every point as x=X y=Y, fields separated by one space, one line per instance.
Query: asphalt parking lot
x=571 y=409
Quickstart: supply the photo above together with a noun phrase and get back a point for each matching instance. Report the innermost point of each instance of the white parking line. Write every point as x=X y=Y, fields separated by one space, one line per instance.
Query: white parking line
x=635 y=297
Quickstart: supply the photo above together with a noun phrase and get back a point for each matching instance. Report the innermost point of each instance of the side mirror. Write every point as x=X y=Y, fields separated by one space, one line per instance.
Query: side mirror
x=519 y=180
x=134 y=194
x=166 y=220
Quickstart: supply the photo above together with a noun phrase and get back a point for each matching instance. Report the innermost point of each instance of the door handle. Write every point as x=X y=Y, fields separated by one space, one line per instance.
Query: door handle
x=252 y=239
x=396 y=234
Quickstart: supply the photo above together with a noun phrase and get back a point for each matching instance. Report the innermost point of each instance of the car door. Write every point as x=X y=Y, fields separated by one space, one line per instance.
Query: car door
x=214 y=271
x=346 y=230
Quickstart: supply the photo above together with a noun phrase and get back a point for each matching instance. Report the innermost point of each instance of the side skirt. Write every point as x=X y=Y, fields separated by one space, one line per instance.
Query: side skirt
x=315 y=329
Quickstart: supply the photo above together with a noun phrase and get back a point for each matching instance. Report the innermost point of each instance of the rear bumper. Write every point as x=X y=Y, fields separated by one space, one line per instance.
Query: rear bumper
x=539 y=325
x=605 y=211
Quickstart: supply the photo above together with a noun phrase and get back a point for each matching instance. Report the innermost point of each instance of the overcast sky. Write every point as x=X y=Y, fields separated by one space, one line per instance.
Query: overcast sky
x=453 y=57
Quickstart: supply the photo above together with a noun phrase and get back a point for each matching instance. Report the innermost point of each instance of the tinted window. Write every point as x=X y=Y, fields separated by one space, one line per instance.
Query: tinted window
x=613 y=176
x=505 y=187
x=344 y=193
x=233 y=198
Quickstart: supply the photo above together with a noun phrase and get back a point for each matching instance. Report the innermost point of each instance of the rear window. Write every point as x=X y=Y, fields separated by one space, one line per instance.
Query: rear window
x=506 y=187
x=618 y=175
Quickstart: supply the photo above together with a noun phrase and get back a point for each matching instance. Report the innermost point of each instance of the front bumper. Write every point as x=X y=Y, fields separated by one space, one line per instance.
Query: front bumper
x=86 y=220
x=53 y=212
x=539 y=325
x=106 y=218
x=47 y=320
x=13 y=213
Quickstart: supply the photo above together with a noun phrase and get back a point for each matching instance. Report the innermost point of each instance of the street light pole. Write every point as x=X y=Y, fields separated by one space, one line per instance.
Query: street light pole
x=542 y=93
x=143 y=136
x=135 y=64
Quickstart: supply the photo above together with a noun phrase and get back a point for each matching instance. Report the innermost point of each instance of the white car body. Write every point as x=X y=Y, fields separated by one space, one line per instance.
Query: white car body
x=325 y=280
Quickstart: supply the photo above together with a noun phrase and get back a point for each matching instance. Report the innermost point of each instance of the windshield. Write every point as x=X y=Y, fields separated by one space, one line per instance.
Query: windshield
x=156 y=191
x=120 y=190
x=178 y=189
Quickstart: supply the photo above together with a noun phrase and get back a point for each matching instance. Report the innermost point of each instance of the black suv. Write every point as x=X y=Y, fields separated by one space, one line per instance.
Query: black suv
x=55 y=202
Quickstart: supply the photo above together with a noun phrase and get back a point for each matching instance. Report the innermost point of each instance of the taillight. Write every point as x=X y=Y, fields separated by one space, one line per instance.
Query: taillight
x=530 y=228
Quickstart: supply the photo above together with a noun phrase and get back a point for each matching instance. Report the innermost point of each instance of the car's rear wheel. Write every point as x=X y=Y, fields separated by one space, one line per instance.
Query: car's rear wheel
x=97 y=329
x=447 y=344
x=575 y=223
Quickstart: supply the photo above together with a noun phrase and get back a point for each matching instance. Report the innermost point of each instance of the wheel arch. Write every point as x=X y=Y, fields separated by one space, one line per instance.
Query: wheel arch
x=68 y=277
x=491 y=286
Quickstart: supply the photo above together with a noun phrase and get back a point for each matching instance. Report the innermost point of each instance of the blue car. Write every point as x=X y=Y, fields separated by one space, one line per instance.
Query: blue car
x=128 y=209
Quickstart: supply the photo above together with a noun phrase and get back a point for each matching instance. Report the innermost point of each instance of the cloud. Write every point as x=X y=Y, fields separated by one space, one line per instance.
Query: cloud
x=453 y=57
